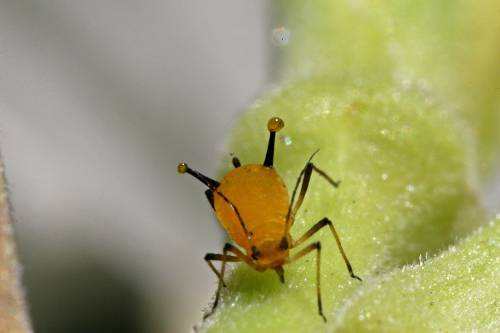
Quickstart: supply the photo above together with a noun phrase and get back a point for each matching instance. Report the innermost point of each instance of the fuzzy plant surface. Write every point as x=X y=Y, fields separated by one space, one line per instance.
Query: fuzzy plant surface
x=385 y=91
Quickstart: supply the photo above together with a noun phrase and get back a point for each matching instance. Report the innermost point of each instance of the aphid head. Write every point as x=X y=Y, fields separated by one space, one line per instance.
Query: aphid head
x=268 y=254
x=273 y=125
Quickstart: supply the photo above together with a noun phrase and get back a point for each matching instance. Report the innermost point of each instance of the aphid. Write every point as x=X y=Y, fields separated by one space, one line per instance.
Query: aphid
x=251 y=202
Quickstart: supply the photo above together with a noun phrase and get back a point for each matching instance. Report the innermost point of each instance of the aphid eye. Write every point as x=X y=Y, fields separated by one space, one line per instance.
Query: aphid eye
x=182 y=167
x=275 y=124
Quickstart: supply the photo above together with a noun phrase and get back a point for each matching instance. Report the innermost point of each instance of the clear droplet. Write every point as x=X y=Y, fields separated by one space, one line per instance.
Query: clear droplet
x=281 y=36
x=384 y=176
x=287 y=140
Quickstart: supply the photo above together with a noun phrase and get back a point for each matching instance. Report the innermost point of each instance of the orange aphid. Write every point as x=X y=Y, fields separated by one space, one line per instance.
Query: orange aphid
x=252 y=204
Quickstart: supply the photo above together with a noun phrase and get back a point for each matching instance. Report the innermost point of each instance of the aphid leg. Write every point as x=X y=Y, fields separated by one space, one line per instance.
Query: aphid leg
x=318 y=226
x=209 y=257
x=236 y=162
x=224 y=258
x=314 y=246
x=236 y=211
x=305 y=177
x=241 y=256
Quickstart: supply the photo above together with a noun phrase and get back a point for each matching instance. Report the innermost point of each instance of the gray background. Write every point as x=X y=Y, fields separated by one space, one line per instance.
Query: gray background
x=99 y=101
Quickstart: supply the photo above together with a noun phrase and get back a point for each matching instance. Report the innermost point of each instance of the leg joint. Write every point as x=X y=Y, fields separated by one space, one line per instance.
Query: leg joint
x=317 y=245
x=325 y=221
x=209 y=256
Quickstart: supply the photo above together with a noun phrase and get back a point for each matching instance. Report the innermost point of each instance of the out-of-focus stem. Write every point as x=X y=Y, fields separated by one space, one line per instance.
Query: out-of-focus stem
x=13 y=314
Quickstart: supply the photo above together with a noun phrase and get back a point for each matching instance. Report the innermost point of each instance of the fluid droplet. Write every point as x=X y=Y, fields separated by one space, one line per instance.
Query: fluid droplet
x=281 y=36
x=287 y=140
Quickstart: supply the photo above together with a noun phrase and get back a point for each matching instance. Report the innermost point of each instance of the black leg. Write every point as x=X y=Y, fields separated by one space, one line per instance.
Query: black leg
x=209 y=257
x=318 y=226
x=238 y=256
x=305 y=177
x=236 y=211
x=314 y=246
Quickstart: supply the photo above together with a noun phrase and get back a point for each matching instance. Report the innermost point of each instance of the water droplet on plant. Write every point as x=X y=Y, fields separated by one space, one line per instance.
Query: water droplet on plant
x=287 y=140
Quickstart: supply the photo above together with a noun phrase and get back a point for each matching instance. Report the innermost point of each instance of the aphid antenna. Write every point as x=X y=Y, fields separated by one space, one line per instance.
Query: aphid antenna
x=209 y=182
x=213 y=185
x=273 y=125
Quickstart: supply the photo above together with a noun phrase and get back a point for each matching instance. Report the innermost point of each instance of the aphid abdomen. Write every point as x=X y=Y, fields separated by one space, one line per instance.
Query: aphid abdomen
x=260 y=197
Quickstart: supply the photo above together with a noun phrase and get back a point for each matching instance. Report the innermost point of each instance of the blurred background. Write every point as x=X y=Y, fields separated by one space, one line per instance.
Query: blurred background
x=99 y=101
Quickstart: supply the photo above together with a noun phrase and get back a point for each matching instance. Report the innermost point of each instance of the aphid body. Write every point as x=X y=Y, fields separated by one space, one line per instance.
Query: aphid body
x=262 y=201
